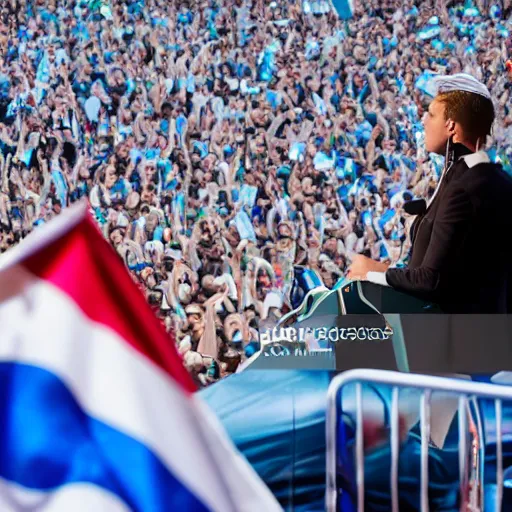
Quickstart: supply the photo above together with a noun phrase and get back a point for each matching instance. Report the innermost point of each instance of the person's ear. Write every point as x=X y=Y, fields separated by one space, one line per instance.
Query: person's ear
x=450 y=125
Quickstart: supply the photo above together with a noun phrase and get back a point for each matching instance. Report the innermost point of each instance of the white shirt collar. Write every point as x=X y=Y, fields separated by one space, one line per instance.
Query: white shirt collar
x=471 y=160
x=476 y=158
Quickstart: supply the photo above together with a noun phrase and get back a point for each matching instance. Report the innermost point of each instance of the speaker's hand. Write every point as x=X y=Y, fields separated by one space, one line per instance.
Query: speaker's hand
x=361 y=265
x=359 y=268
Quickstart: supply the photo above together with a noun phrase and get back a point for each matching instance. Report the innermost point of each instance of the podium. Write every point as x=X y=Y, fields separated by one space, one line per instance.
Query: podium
x=363 y=296
x=407 y=334
x=331 y=322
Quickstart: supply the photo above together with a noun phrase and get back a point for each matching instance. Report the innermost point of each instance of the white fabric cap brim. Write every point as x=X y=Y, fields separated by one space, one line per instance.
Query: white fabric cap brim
x=460 y=82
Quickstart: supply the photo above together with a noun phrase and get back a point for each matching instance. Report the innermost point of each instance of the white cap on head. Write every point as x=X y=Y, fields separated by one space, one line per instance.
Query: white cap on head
x=460 y=82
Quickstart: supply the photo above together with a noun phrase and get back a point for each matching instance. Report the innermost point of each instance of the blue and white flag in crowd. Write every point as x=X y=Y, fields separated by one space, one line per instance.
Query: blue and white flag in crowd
x=429 y=32
x=344 y=8
x=425 y=83
x=323 y=162
x=244 y=226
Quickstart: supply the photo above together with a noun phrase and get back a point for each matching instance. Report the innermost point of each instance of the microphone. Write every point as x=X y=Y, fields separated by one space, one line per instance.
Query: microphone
x=415 y=207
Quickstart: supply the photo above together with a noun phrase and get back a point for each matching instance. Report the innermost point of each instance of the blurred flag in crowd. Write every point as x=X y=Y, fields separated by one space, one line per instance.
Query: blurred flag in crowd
x=426 y=84
x=97 y=410
x=344 y=8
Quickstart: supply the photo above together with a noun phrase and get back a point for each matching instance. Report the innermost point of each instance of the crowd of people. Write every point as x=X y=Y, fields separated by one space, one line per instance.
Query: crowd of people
x=220 y=143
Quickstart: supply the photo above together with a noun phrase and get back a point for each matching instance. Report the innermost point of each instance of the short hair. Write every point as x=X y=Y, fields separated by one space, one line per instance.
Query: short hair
x=474 y=112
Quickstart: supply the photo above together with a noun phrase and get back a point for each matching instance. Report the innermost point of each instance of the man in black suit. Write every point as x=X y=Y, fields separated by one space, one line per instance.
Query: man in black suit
x=459 y=257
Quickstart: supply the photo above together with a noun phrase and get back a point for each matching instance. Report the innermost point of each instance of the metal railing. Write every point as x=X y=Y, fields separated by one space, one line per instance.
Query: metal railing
x=468 y=392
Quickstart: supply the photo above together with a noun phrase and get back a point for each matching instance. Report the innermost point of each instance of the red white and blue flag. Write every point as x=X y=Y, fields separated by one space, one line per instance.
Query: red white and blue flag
x=97 y=412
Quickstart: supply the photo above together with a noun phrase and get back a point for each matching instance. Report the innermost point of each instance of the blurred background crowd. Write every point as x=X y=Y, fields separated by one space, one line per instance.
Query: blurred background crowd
x=221 y=143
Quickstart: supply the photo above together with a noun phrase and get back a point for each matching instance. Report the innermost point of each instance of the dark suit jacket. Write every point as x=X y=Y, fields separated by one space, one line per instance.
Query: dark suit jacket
x=460 y=246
